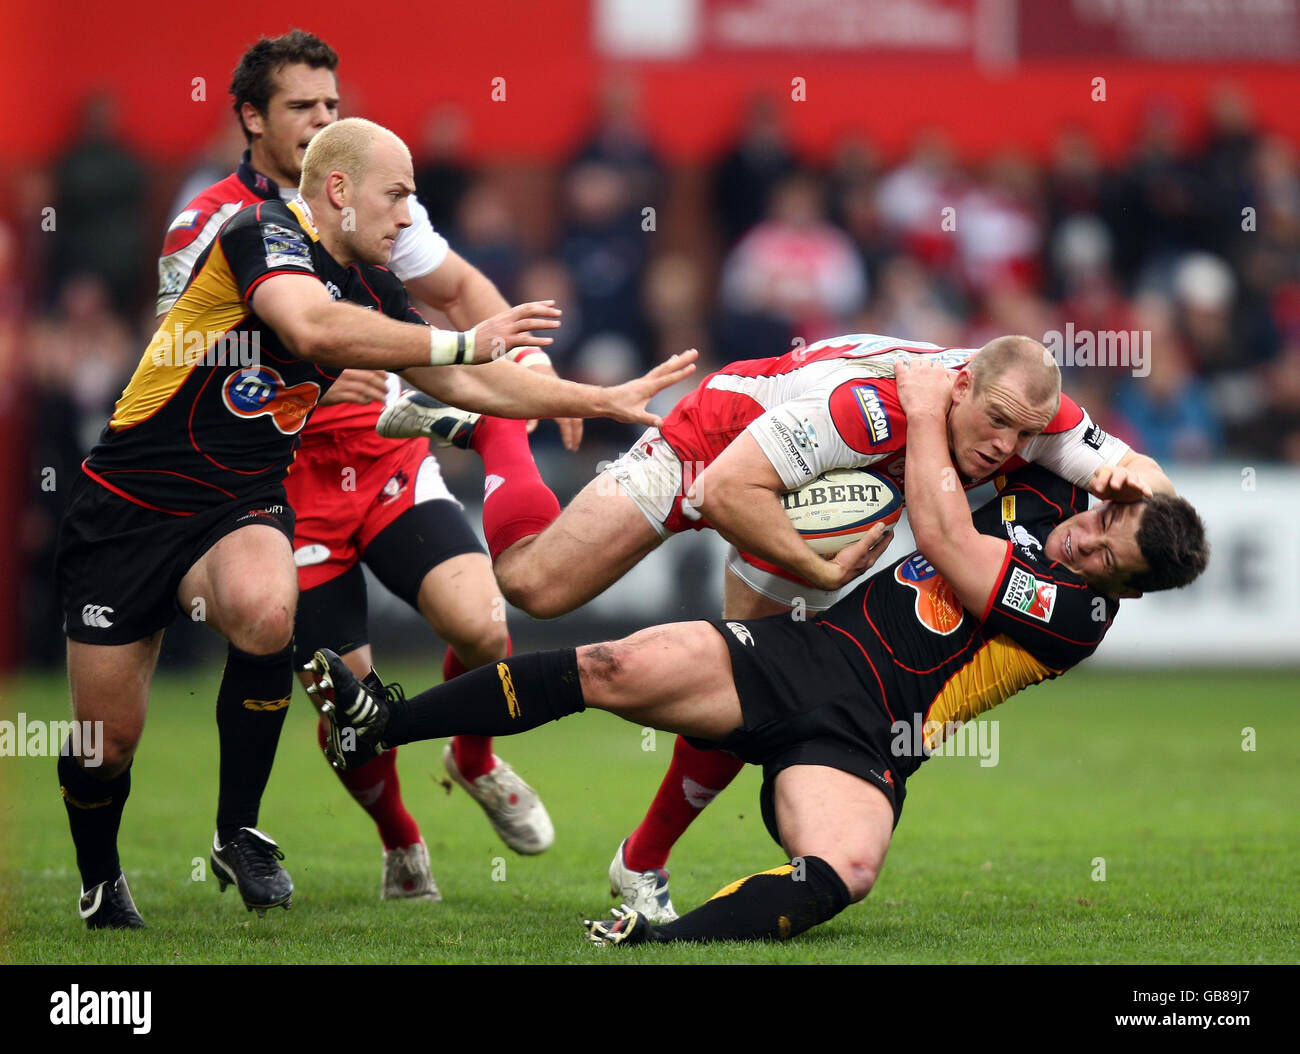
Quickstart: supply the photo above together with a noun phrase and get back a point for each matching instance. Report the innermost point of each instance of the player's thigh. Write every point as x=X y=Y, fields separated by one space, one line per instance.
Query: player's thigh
x=599 y=536
x=837 y=816
x=248 y=588
x=675 y=677
x=333 y=614
x=740 y=601
x=110 y=688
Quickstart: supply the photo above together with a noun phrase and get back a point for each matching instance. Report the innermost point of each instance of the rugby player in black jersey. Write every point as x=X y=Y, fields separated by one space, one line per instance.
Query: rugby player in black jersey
x=181 y=504
x=1007 y=597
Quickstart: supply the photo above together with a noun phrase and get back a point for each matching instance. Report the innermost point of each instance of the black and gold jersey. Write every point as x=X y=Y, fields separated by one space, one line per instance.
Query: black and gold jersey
x=932 y=664
x=217 y=401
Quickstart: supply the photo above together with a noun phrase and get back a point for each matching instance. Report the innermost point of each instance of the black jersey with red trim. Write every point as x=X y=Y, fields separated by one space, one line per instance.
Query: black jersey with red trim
x=216 y=404
x=931 y=663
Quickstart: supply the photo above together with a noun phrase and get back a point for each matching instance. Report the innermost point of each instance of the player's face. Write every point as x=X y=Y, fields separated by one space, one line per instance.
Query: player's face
x=1101 y=546
x=986 y=429
x=304 y=101
x=380 y=199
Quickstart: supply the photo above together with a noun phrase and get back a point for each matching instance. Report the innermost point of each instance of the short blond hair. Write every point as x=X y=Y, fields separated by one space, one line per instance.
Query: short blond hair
x=1026 y=358
x=345 y=146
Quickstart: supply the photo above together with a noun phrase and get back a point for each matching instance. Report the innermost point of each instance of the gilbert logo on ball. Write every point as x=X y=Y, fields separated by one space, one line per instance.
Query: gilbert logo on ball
x=839 y=507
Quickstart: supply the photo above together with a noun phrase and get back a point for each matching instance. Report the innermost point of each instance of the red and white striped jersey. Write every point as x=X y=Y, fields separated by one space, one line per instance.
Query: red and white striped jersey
x=834 y=404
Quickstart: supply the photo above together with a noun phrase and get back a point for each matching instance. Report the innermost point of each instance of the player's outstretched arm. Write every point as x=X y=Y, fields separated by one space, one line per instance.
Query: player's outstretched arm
x=338 y=334
x=467 y=296
x=502 y=389
x=740 y=495
x=937 y=509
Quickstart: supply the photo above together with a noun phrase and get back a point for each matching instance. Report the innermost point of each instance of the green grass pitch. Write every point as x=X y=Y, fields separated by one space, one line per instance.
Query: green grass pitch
x=1200 y=841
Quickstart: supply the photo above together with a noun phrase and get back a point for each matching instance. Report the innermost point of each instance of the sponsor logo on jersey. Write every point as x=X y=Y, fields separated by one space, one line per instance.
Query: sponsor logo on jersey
x=791 y=448
x=1009 y=509
x=1095 y=438
x=394 y=487
x=741 y=632
x=1026 y=594
x=185 y=221
x=873 y=413
x=284 y=248
x=937 y=607
x=335 y=292
x=260 y=390
x=490 y=485
x=805 y=435
x=1022 y=538
x=96 y=616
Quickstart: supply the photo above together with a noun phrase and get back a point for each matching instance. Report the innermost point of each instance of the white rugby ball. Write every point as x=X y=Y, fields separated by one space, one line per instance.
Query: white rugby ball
x=839 y=507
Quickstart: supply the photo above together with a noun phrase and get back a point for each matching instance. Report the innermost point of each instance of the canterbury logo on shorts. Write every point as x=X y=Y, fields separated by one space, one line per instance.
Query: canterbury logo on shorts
x=508 y=689
x=96 y=616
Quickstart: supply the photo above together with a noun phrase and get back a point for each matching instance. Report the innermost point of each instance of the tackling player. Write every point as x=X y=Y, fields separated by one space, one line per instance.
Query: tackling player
x=360 y=498
x=724 y=457
x=991 y=604
x=181 y=502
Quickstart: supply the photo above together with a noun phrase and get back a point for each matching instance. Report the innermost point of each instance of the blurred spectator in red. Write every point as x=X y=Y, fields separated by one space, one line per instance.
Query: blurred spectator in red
x=99 y=209
x=795 y=267
x=745 y=177
x=912 y=199
x=442 y=177
x=1000 y=226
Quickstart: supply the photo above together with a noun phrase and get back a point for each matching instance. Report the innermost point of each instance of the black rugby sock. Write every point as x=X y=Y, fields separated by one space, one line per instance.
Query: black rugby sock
x=776 y=905
x=94 y=814
x=500 y=699
x=251 y=705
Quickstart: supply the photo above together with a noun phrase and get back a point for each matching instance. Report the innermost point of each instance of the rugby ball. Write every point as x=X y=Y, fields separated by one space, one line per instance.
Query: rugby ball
x=839 y=507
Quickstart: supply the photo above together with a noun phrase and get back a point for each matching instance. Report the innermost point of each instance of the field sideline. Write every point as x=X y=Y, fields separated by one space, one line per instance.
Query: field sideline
x=1200 y=841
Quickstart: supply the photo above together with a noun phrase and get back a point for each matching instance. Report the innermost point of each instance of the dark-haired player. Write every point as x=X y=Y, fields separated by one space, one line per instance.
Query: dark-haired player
x=181 y=503
x=360 y=498
x=723 y=458
x=990 y=604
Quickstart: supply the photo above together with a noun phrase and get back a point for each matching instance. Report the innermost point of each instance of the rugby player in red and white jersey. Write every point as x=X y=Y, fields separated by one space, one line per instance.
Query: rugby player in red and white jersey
x=723 y=458
x=359 y=497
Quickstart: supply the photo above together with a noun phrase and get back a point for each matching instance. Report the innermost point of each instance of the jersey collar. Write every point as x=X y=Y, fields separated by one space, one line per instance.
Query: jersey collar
x=263 y=186
x=302 y=210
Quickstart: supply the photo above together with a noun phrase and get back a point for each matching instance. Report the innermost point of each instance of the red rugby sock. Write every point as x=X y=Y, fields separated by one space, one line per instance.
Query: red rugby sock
x=694 y=778
x=516 y=503
x=376 y=789
x=473 y=754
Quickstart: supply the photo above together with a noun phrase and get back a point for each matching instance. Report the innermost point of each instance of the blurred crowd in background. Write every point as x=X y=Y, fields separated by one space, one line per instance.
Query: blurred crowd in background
x=1192 y=238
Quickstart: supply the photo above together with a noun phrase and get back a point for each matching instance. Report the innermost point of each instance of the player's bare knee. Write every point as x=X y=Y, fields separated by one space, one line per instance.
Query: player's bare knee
x=605 y=670
x=478 y=640
x=265 y=631
x=858 y=874
x=533 y=594
x=112 y=755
